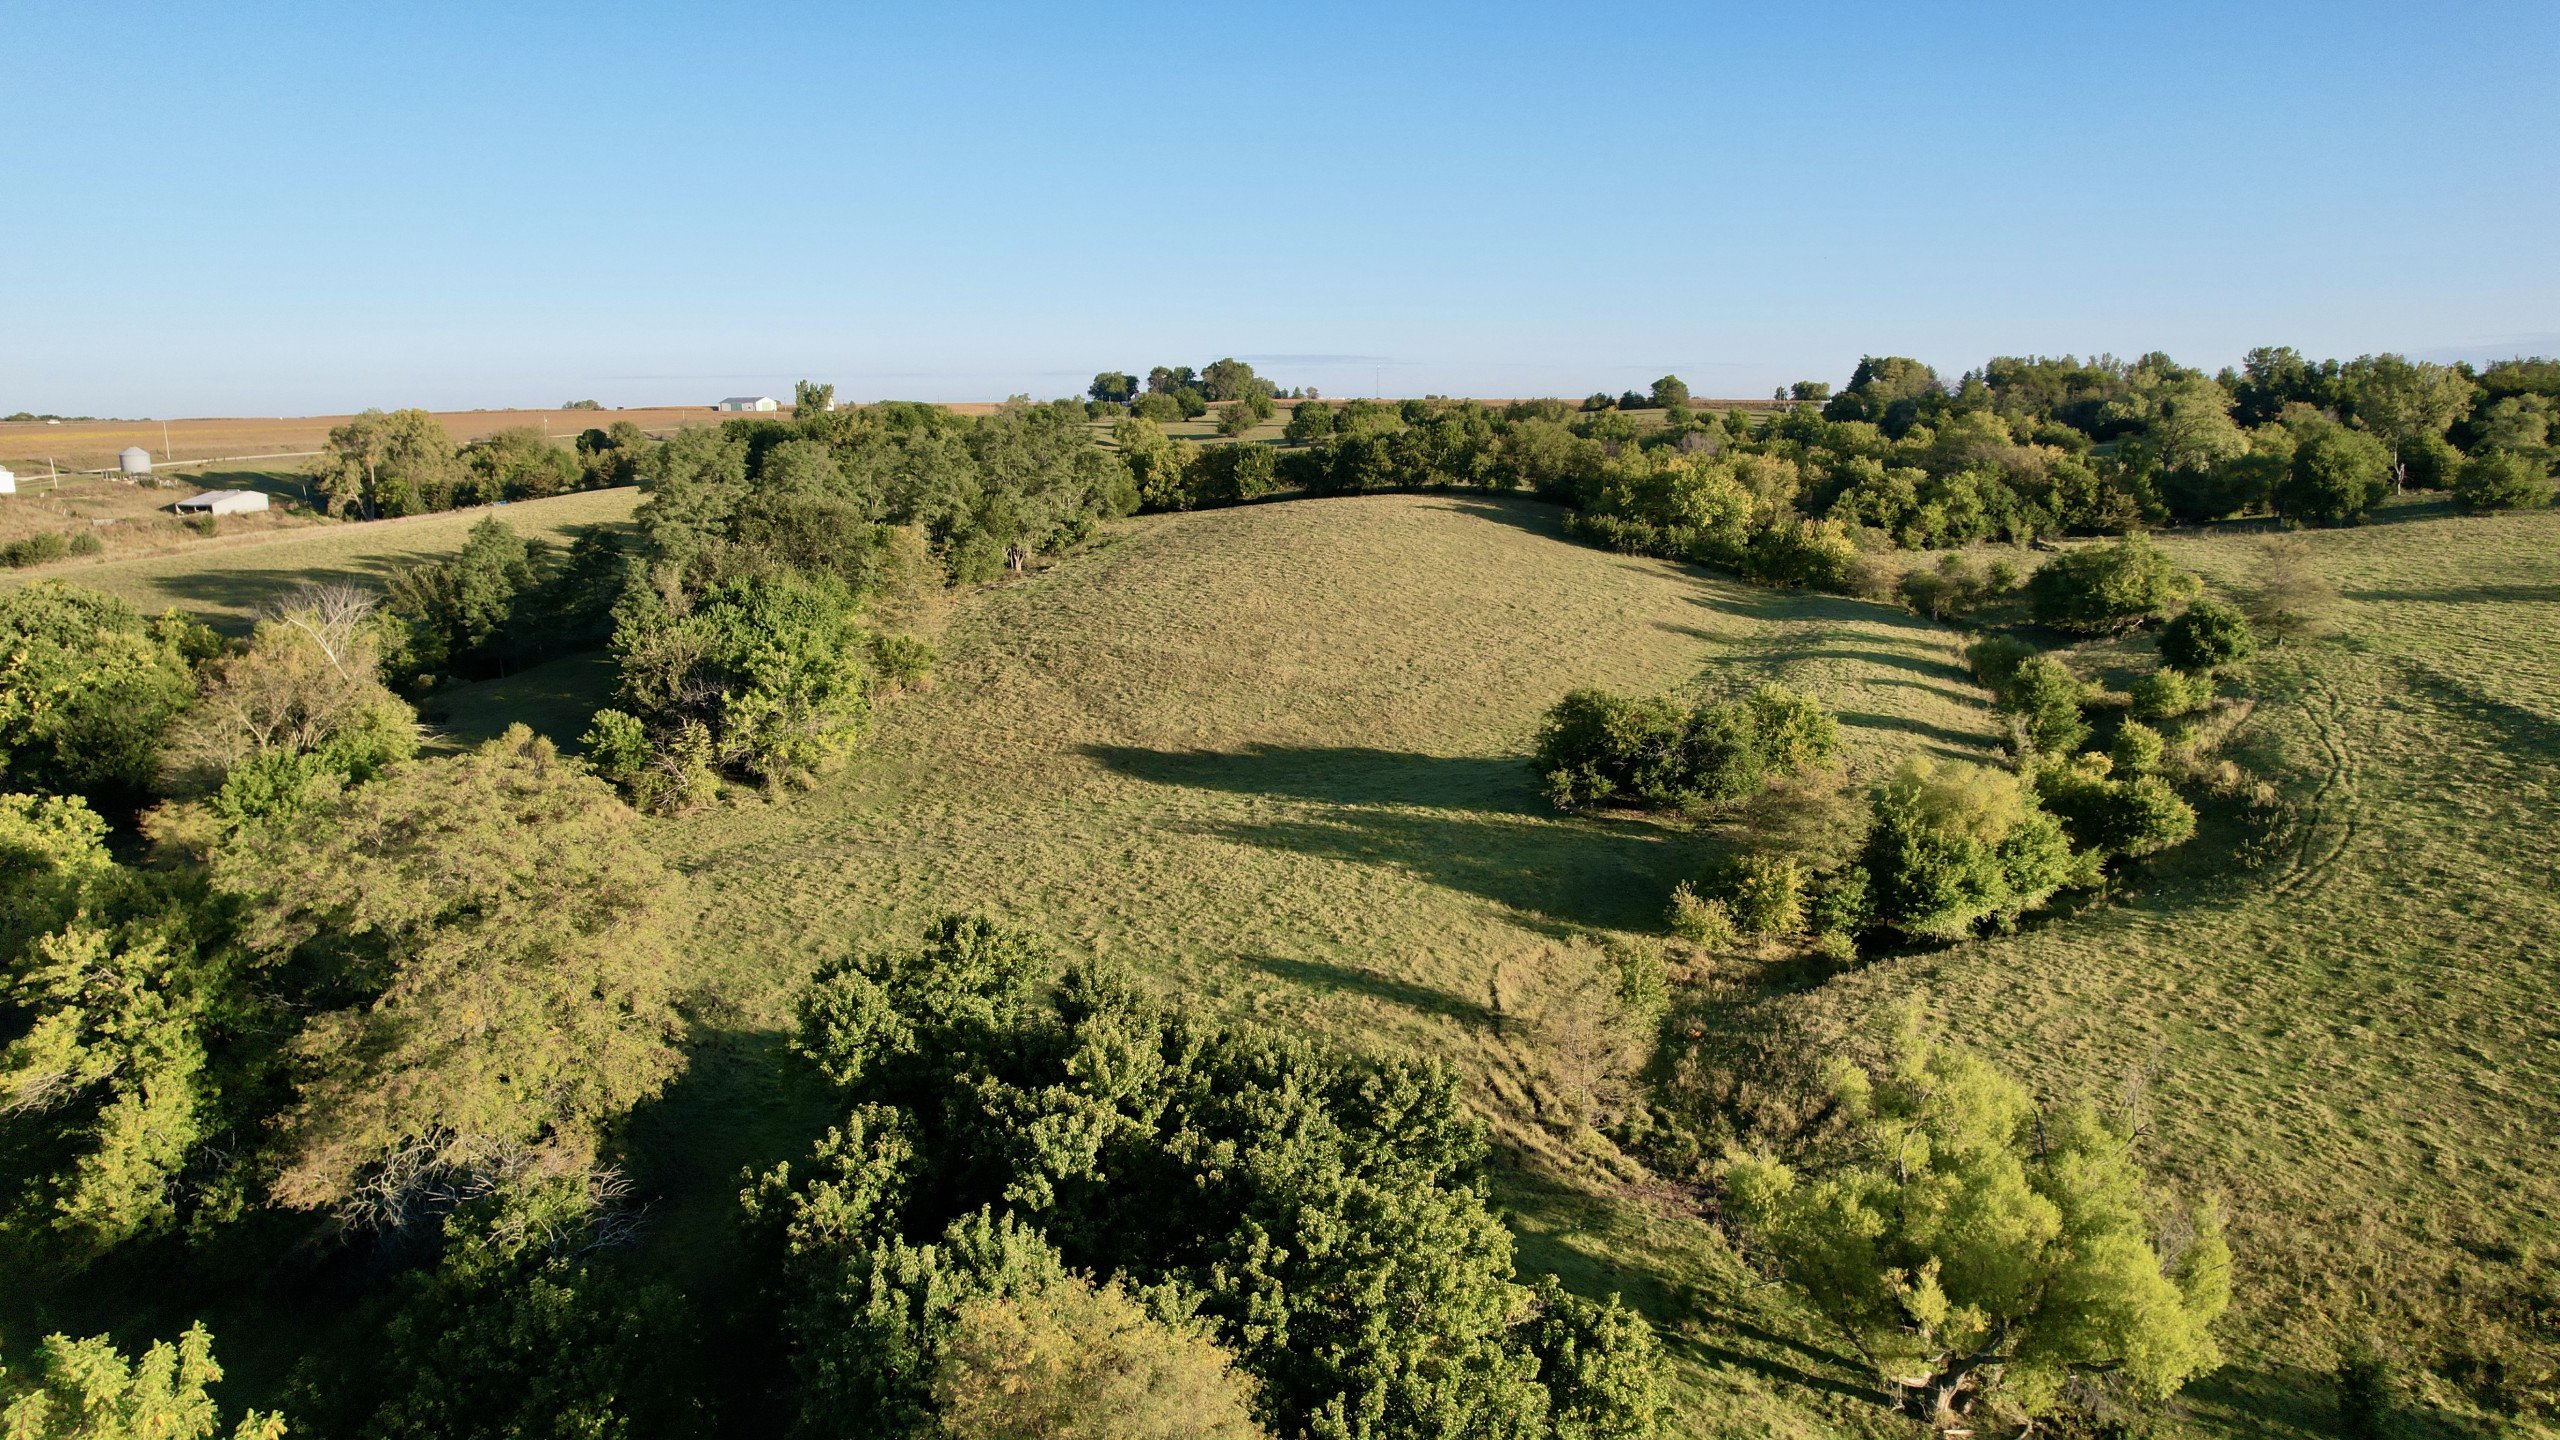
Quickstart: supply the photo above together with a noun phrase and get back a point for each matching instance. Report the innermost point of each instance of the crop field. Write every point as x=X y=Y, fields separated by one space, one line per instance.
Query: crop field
x=30 y=446
x=225 y=579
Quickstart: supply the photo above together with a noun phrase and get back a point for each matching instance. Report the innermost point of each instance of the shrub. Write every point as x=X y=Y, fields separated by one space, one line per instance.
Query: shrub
x=902 y=662
x=1595 y=746
x=1311 y=421
x=975 y=559
x=1958 y=846
x=1705 y=923
x=2166 y=694
x=2101 y=588
x=1765 y=893
x=2137 y=749
x=1840 y=903
x=1795 y=732
x=1720 y=754
x=43 y=547
x=2046 y=698
x=2502 y=480
x=2207 y=636
x=1995 y=659
x=2137 y=815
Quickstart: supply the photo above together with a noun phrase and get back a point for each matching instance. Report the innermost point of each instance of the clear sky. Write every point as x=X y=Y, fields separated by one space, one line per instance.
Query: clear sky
x=275 y=208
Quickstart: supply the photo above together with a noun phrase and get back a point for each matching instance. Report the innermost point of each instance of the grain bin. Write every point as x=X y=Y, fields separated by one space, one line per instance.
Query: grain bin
x=134 y=461
x=8 y=481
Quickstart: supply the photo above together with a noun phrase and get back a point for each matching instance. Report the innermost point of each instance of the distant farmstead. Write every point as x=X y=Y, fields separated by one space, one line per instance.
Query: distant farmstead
x=749 y=402
x=222 y=502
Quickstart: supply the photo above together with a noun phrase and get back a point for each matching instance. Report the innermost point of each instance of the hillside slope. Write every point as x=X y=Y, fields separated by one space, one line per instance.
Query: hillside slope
x=1274 y=757
x=2341 y=1015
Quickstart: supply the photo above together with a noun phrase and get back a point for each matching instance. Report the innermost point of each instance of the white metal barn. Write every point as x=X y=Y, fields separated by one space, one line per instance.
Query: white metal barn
x=222 y=502
x=757 y=403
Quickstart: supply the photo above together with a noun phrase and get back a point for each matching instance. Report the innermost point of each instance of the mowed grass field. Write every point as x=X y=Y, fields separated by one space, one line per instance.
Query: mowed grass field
x=225 y=579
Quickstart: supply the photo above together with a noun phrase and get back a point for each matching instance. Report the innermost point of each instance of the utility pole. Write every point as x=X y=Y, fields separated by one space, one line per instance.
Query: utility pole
x=165 y=454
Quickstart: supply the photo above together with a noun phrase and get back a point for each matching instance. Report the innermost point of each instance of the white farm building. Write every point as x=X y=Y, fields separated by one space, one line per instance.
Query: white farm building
x=222 y=502
x=8 y=481
x=759 y=403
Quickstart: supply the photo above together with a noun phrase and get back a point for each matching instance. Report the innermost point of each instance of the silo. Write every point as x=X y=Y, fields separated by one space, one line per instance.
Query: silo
x=8 y=481
x=134 y=461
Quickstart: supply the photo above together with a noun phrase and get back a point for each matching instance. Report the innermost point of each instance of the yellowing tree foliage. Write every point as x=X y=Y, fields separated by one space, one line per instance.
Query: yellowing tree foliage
x=1071 y=1362
x=1973 y=1243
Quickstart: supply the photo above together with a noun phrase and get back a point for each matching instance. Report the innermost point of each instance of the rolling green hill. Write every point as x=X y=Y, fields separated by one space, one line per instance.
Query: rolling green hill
x=1274 y=756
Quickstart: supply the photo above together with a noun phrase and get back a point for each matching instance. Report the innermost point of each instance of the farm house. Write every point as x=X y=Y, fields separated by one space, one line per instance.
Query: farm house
x=749 y=402
x=222 y=502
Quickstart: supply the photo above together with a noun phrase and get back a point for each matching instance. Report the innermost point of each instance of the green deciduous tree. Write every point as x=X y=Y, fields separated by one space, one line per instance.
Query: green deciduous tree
x=395 y=463
x=522 y=1330
x=774 y=667
x=2099 y=588
x=519 y=463
x=1322 y=1219
x=2337 y=475
x=1958 y=846
x=88 y=1390
x=2503 y=480
x=478 y=942
x=2403 y=401
x=1309 y=422
x=1971 y=1244
x=87 y=688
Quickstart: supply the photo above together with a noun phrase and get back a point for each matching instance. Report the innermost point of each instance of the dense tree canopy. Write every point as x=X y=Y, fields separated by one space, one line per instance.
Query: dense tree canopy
x=488 y=987
x=1968 y=1242
x=1325 y=1220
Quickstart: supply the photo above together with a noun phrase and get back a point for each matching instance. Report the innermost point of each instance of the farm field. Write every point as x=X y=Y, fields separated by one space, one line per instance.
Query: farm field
x=27 y=446
x=225 y=579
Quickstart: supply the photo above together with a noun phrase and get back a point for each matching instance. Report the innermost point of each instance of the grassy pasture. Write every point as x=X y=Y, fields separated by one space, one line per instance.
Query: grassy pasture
x=2348 y=1030
x=225 y=579
x=1272 y=756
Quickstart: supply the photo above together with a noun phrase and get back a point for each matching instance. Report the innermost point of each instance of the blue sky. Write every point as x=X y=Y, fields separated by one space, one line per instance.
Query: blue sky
x=263 y=208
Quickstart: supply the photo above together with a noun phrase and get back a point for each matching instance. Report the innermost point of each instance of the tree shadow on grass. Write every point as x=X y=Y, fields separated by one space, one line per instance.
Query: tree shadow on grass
x=1475 y=825
x=1339 y=775
x=1321 y=976
x=2519 y=729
